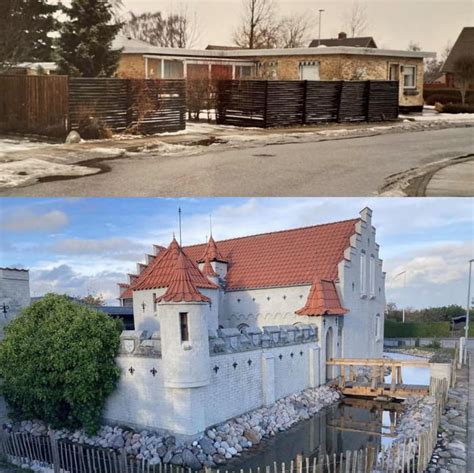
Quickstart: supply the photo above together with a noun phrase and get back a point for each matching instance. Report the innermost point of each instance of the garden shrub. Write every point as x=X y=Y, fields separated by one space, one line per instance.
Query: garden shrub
x=57 y=361
x=446 y=96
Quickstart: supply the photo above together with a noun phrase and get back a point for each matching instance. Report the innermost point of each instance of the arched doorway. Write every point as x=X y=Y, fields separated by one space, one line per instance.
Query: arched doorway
x=329 y=353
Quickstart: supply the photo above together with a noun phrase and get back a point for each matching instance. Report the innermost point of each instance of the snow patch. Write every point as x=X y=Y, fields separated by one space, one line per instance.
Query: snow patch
x=7 y=145
x=28 y=171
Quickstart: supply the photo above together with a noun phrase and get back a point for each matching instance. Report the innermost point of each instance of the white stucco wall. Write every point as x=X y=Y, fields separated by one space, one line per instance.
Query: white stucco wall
x=360 y=339
x=14 y=293
x=142 y=400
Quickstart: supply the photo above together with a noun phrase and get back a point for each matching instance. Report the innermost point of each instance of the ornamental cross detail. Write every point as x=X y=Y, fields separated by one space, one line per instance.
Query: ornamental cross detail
x=292 y=354
x=216 y=369
x=5 y=309
x=249 y=362
x=235 y=364
x=153 y=371
x=131 y=370
x=280 y=356
x=301 y=353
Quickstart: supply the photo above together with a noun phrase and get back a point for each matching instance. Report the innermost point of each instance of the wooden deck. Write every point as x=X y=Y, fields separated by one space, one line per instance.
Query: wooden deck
x=401 y=391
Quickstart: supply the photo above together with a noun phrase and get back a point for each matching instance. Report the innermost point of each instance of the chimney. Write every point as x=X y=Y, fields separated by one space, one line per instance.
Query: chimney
x=342 y=35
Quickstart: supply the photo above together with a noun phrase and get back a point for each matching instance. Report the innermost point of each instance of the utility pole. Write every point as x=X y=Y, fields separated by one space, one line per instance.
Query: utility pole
x=319 y=34
x=404 y=274
x=468 y=309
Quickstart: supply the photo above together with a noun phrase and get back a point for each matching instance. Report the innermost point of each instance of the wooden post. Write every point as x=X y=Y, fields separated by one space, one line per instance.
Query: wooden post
x=305 y=95
x=54 y=451
x=265 y=111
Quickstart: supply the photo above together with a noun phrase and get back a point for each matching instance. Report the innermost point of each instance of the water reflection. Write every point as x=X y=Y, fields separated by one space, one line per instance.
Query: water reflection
x=353 y=424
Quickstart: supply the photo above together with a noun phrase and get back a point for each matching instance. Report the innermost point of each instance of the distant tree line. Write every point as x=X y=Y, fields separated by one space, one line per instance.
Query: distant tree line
x=430 y=314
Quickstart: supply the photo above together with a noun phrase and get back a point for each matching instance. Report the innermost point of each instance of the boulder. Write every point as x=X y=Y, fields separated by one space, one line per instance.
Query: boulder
x=73 y=138
x=252 y=436
x=190 y=460
x=207 y=446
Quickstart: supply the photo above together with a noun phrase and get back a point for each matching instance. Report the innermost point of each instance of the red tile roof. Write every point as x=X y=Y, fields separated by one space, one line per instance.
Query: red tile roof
x=160 y=271
x=323 y=299
x=212 y=253
x=208 y=270
x=181 y=287
x=284 y=258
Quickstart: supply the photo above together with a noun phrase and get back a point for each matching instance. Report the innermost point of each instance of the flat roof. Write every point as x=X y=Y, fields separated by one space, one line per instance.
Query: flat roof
x=140 y=47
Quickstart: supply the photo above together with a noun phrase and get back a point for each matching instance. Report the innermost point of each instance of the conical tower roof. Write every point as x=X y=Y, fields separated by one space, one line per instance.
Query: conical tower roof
x=212 y=253
x=160 y=271
x=182 y=287
x=323 y=299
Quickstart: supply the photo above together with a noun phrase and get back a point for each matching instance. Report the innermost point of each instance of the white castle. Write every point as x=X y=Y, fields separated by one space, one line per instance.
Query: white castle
x=227 y=327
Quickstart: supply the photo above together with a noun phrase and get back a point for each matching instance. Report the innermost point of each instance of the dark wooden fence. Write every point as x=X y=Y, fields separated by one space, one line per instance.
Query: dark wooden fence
x=285 y=103
x=54 y=105
x=34 y=104
x=145 y=106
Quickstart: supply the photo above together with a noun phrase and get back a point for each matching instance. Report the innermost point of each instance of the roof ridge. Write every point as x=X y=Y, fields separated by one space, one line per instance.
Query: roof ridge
x=278 y=231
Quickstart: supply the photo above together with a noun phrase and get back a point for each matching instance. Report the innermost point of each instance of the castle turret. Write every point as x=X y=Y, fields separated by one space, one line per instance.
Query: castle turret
x=184 y=313
x=214 y=257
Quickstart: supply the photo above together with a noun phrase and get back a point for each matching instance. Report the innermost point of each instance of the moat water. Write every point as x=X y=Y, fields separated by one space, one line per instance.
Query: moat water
x=350 y=425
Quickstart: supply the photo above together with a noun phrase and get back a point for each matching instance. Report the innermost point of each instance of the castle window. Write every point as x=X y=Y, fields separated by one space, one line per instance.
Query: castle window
x=183 y=324
x=154 y=302
x=363 y=273
x=377 y=327
x=372 y=275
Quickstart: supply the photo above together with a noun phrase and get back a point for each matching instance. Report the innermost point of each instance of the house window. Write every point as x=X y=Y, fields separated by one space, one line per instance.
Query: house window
x=154 y=302
x=394 y=72
x=173 y=70
x=409 y=77
x=309 y=70
x=363 y=273
x=183 y=324
x=372 y=275
x=244 y=71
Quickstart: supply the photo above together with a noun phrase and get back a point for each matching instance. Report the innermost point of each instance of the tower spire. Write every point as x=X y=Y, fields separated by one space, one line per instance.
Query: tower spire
x=179 y=218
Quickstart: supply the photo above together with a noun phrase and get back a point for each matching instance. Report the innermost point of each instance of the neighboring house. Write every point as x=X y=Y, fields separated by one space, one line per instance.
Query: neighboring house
x=14 y=294
x=252 y=318
x=464 y=46
x=343 y=40
x=142 y=60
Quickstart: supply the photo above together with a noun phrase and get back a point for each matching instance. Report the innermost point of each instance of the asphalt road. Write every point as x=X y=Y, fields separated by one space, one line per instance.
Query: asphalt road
x=343 y=167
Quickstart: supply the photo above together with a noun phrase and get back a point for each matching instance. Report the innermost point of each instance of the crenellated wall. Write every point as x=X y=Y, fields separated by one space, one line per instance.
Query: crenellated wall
x=257 y=368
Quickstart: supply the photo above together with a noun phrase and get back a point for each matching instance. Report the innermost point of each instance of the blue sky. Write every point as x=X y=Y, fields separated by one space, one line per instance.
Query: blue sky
x=80 y=246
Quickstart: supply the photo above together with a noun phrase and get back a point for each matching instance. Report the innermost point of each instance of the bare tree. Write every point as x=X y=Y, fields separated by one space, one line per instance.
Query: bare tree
x=446 y=51
x=463 y=71
x=259 y=27
x=176 y=30
x=356 y=21
x=294 y=31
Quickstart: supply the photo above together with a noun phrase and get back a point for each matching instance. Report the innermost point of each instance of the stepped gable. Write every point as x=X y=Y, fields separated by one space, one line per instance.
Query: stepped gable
x=181 y=286
x=323 y=299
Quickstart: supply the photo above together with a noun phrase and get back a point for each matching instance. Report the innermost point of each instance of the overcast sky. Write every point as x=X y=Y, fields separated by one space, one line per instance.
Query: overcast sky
x=81 y=246
x=393 y=23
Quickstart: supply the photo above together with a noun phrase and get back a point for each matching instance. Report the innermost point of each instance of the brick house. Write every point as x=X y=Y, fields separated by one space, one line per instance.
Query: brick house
x=142 y=60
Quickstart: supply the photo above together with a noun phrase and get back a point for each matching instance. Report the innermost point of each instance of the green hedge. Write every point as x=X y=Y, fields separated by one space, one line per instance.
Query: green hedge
x=410 y=330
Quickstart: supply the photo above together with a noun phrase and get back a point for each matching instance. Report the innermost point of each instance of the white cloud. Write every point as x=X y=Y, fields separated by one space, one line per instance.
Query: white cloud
x=116 y=248
x=26 y=221
x=63 y=279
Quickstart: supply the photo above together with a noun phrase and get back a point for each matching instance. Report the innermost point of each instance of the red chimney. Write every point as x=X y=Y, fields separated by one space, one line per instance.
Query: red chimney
x=342 y=35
